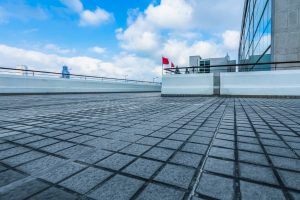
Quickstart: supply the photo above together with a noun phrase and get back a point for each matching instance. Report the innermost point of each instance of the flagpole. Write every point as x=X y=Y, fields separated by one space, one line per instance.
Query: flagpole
x=162 y=68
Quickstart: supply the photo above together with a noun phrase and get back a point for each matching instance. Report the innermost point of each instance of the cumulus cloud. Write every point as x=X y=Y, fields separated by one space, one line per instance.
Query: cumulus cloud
x=88 y=17
x=173 y=14
x=98 y=50
x=174 y=28
x=74 y=5
x=180 y=19
x=142 y=34
x=120 y=65
x=231 y=39
x=139 y=37
x=94 y=18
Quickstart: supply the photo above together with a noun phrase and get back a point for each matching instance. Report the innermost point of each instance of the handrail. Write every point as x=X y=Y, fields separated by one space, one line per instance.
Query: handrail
x=236 y=65
x=78 y=75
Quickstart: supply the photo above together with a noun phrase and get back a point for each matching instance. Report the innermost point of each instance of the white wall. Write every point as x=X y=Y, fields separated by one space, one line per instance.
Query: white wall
x=11 y=84
x=187 y=84
x=274 y=83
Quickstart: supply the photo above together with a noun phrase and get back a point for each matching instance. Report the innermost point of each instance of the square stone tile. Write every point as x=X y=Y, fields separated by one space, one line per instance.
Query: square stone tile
x=201 y=140
x=136 y=149
x=250 y=147
x=23 y=158
x=57 y=147
x=188 y=159
x=171 y=144
x=117 y=188
x=9 y=176
x=159 y=153
x=290 y=179
x=54 y=194
x=278 y=151
x=82 y=138
x=155 y=191
x=116 y=161
x=143 y=168
x=216 y=187
x=219 y=166
x=286 y=163
x=4 y=146
x=94 y=156
x=195 y=148
x=222 y=153
x=42 y=143
x=24 y=191
x=255 y=158
x=86 y=180
x=257 y=173
x=160 y=134
x=149 y=141
x=41 y=164
x=74 y=152
x=29 y=139
x=223 y=143
x=61 y=172
x=250 y=191
x=12 y=152
x=176 y=175
x=180 y=137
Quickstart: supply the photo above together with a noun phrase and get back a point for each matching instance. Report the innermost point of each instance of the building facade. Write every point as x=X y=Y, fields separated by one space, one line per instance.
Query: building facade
x=205 y=65
x=270 y=32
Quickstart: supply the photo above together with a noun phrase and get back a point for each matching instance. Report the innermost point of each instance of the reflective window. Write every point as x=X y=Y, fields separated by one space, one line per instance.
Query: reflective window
x=255 y=45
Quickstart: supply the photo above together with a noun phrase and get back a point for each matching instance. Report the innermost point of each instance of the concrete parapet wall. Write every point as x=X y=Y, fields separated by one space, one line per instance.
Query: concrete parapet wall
x=188 y=84
x=14 y=84
x=267 y=83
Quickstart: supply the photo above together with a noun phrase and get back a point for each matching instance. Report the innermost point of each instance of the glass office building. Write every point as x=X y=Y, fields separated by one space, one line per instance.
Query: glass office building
x=255 y=42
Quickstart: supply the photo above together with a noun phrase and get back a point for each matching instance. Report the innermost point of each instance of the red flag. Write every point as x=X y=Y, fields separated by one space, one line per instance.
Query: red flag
x=172 y=65
x=165 y=61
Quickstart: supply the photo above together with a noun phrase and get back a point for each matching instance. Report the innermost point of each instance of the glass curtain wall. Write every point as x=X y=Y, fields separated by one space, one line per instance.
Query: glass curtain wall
x=255 y=44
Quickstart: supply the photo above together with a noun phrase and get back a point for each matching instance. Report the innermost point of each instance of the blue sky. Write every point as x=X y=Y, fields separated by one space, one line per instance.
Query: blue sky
x=116 y=38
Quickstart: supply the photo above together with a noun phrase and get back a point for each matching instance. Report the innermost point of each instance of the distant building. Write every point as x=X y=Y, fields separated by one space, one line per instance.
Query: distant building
x=65 y=72
x=204 y=65
x=270 y=32
x=195 y=61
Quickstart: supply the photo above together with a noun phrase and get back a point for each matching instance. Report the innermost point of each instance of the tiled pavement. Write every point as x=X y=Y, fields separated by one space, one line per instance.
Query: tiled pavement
x=143 y=146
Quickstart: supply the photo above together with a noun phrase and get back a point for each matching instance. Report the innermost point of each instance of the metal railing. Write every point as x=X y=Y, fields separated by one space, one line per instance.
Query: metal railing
x=245 y=67
x=48 y=74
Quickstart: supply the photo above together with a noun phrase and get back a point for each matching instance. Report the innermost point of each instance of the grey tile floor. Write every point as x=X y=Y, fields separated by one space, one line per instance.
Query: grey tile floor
x=143 y=146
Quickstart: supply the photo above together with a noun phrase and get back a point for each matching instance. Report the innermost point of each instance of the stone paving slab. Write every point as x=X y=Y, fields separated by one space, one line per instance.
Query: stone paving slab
x=142 y=146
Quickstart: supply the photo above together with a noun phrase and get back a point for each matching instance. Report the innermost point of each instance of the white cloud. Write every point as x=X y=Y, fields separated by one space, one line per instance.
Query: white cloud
x=90 y=18
x=56 y=49
x=173 y=14
x=139 y=37
x=180 y=28
x=143 y=32
x=231 y=39
x=124 y=64
x=74 y=5
x=179 y=51
x=98 y=50
x=179 y=19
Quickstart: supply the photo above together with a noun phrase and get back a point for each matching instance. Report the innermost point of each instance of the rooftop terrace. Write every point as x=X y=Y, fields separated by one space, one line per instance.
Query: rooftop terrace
x=143 y=146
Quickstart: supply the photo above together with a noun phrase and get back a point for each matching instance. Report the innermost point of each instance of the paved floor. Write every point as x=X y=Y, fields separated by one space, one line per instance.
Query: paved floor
x=142 y=146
